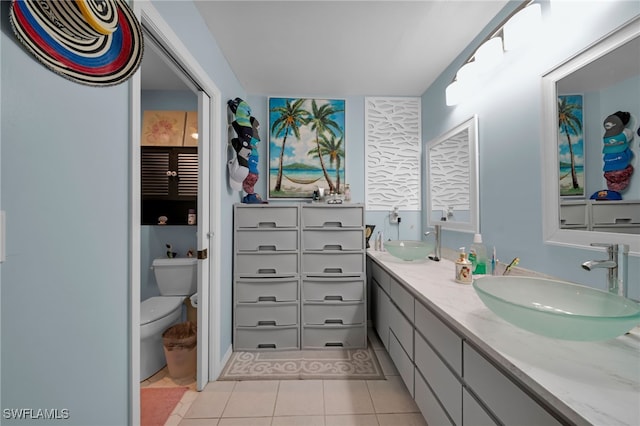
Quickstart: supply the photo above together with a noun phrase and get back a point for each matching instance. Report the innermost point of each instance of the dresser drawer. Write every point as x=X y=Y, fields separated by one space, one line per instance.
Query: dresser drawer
x=324 y=313
x=266 y=263
x=266 y=290
x=343 y=239
x=266 y=240
x=266 y=217
x=448 y=343
x=402 y=298
x=333 y=336
x=258 y=338
x=506 y=400
x=381 y=276
x=325 y=289
x=266 y=314
x=332 y=217
x=442 y=381
x=333 y=263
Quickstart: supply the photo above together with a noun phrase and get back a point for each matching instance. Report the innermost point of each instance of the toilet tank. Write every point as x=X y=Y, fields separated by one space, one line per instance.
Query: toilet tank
x=177 y=276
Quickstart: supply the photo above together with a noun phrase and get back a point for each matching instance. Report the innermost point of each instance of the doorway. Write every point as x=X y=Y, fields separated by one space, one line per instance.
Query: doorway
x=183 y=70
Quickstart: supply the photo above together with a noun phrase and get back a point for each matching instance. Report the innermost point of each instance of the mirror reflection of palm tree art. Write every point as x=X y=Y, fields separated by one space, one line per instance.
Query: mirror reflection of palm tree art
x=306 y=146
x=571 y=145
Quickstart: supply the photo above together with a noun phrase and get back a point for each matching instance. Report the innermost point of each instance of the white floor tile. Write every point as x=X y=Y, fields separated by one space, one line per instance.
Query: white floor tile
x=252 y=398
x=347 y=397
x=299 y=397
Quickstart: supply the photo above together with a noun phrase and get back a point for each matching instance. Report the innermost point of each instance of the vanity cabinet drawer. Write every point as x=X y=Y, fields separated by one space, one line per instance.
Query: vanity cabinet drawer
x=615 y=213
x=333 y=263
x=473 y=413
x=442 y=381
x=382 y=305
x=347 y=289
x=506 y=400
x=259 y=338
x=266 y=264
x=324 y=336
x=342 y=239
x=266 y=314
x=333 y=313
x=431 y=410
x=402 y=328
x=448 y=343
x=402 y=362
x=266 y=217
x=266 y=290
x=380 y=276
x=402 y=298
x=332 y=216
x=266 y=240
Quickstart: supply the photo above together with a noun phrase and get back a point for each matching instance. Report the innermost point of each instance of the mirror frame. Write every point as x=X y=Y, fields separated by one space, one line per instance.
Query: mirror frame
x=473 y=225
x=552 y=233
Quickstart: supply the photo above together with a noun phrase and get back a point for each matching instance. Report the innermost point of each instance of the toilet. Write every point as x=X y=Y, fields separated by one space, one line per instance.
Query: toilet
x=177 y=280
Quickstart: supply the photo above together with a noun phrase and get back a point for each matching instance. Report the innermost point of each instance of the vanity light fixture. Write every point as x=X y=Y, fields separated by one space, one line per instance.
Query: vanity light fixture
x=515 y=31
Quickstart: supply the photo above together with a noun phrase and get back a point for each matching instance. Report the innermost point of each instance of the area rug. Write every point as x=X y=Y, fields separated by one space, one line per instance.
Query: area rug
x=157 y=404
x=343 y=364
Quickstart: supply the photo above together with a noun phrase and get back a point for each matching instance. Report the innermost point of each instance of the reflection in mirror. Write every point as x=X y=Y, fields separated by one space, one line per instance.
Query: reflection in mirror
x=605 y=79
x=452 y=178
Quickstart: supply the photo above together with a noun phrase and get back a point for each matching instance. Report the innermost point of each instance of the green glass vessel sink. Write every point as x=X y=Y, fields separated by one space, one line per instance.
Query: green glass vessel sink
x=558 y=309
x=409 y=249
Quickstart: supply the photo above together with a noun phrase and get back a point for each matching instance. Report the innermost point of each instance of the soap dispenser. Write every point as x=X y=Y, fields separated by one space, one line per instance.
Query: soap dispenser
x=478 y=255
x=463 y=268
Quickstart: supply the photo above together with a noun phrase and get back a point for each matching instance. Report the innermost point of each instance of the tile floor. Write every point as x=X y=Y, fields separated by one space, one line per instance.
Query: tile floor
x=301 y=402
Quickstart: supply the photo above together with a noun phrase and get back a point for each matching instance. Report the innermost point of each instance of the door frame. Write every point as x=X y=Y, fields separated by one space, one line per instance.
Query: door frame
x=209 y=359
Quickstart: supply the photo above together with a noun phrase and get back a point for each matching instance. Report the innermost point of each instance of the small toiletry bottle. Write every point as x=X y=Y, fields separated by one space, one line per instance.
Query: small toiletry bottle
x=464 y=274
x=347 y=193
x=191 y=217
x=478 y=255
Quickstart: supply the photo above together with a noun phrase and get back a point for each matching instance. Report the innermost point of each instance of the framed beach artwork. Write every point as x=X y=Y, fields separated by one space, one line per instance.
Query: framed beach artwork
x=307 y=146
x=571 y=146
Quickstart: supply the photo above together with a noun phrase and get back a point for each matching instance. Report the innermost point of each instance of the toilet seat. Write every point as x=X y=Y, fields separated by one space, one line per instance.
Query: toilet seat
x=158 y=307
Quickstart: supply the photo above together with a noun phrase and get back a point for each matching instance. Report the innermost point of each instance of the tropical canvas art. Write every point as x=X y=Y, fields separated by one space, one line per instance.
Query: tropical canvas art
x=306 y=146
x=571 y=145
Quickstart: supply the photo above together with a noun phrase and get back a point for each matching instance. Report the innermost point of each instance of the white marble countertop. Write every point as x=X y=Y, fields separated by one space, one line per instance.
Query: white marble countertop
x=589 y=382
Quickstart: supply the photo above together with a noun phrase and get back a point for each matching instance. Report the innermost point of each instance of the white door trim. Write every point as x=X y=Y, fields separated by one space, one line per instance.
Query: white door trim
x=157 y=26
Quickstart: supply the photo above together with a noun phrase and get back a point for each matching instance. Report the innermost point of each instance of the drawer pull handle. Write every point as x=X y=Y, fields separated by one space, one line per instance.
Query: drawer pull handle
x=267 y=248
x=266 y=224
x=333 y=270
x=266 y=323
x=333 y=321
x=266 y=271
x=266 y=345
x=623 y=220
x=338 y=344
x=333 y=298
x=333 y=247
x=335 y=224
x=266 y=299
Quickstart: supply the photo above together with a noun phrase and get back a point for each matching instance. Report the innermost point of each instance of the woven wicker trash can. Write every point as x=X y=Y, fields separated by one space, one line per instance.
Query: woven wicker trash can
x=179 y=343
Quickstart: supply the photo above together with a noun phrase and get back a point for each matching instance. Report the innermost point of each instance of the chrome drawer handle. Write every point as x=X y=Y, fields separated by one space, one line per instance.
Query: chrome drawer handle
x=338 y=344
x=334 y=224
x=333 y=270
x=333 y=298
x=333 y=321
x=266 y=346
x=266 y=225
x=266 y=247
x=332 y=247
x=266 y=323
x=266 y=271
x=266 y=299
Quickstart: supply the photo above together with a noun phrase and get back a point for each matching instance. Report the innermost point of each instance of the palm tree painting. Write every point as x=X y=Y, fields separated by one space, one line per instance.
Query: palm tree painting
x=571 y=145
x=306 y=146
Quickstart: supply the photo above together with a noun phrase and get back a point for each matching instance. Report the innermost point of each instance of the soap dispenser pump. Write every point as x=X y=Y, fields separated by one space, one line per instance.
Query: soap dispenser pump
x=463 y=268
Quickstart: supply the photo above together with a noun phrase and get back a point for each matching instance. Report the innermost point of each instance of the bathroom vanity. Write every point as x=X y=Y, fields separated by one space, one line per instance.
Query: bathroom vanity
x=466 y=366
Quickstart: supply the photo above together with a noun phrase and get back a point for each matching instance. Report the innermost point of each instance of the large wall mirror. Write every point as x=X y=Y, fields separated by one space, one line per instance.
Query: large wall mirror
x=452 y=178
x=584 y=154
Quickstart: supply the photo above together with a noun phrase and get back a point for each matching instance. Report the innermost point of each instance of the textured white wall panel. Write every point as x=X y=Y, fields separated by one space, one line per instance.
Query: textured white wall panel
x=393 y=153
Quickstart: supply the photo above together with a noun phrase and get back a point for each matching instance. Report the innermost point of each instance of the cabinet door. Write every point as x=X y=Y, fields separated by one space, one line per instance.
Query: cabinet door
x=154 y=177
x=169 y=173
x=383 y=306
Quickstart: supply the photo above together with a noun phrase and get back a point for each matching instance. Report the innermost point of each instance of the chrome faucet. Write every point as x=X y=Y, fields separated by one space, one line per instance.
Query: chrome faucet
x=616 y=267
x=436 y=254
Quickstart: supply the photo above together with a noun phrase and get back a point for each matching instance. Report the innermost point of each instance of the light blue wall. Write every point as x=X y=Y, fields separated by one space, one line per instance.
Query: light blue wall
x=509 y=110
x=64 y=180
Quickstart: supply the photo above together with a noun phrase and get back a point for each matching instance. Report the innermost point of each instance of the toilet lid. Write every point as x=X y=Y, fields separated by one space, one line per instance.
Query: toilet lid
x=158 y=307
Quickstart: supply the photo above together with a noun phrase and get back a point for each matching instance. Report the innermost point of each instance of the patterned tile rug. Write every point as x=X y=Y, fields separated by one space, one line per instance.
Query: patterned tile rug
x=343 y=364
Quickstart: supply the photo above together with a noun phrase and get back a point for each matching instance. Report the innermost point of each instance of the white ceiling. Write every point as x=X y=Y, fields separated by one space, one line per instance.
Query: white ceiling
x=329 y=48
